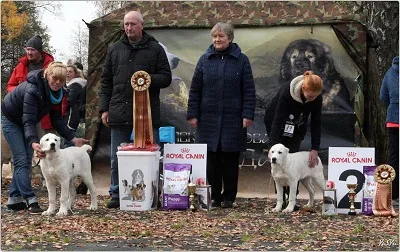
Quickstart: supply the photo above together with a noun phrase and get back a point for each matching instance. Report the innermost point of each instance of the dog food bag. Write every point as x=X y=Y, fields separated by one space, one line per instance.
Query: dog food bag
x=369 y=189
x=175 y=191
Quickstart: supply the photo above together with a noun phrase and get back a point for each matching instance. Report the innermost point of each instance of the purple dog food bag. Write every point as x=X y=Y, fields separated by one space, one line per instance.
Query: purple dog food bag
x=369 y=189
x=175 y=192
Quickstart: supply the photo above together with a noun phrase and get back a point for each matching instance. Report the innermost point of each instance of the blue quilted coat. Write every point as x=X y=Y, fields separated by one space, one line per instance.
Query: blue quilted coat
x=222 y=93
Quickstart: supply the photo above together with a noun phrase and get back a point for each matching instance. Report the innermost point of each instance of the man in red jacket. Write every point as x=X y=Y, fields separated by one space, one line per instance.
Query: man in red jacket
x=34 y=59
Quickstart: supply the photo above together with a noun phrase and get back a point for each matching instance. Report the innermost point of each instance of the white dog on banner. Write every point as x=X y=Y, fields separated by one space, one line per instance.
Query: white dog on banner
x=290 y=168
x=173 y=61
x=62 y=166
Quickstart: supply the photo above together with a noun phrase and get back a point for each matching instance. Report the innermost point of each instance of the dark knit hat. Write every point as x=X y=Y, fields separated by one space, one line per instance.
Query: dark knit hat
x=78 y=65
x=35 y=42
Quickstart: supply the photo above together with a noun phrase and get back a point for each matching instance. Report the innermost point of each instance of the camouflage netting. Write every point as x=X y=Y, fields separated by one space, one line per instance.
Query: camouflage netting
x=165 y=14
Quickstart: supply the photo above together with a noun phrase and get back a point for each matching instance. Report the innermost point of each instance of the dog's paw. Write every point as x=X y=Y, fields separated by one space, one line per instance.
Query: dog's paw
x=287 y=210
x=48 y=212
x=276 y=209
x=62 y=213
x=92 y=207
x=309 y=206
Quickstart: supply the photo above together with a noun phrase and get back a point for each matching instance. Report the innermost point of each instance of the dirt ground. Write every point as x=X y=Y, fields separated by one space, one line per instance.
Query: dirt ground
x=250 y=225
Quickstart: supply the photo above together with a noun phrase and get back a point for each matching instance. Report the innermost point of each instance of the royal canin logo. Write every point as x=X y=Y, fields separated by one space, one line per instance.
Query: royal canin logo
x=185 y=150
x=351 y=154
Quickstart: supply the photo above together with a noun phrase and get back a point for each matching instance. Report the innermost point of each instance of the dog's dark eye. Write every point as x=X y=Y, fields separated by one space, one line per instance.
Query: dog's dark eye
x=55 y=140
x=47 y=139
x=280 y=152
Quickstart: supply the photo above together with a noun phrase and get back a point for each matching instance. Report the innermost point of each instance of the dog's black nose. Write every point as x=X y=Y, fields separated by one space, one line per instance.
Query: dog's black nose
x=52 y=145
x=273 y=160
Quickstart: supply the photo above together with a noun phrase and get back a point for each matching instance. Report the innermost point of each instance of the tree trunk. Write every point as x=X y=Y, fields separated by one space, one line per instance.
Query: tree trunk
x=383 y=20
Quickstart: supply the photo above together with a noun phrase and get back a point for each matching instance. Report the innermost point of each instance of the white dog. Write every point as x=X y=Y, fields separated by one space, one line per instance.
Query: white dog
x=288 y=169
x=61 y=166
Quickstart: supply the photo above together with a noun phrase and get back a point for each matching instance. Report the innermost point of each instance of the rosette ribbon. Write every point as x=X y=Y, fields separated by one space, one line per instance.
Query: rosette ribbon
x=142 y=123
x=382 y=202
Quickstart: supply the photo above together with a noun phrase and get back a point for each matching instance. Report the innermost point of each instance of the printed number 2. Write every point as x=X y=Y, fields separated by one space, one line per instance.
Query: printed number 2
x=344 y=202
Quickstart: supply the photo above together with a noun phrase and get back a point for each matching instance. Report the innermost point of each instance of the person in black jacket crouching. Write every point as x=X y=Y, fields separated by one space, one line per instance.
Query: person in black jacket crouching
x=135 y=51
x=286 y=117
x=22 y=109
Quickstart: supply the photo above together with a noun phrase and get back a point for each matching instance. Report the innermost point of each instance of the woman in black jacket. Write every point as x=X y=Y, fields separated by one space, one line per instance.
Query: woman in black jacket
x=76 y=85
x=22 y=109
x=286 y=117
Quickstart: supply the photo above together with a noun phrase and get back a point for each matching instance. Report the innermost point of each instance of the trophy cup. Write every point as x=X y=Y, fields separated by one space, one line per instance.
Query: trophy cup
x=192 y=191
x=352 y=195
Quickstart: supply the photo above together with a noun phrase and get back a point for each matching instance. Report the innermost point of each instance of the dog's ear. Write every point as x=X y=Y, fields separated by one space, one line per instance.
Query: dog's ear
x=287 y=150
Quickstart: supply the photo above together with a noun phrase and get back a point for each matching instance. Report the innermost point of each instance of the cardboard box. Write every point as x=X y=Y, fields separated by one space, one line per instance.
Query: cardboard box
x=329 y=204
x=203 y=197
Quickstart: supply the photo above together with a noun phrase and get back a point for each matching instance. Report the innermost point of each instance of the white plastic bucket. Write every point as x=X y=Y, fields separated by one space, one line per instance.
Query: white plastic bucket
x=138 y=173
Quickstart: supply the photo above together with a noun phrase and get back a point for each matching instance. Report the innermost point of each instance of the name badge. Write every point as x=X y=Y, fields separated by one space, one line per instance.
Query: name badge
x=289 y=127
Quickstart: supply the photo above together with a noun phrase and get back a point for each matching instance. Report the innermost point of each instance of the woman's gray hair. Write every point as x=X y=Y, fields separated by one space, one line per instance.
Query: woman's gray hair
x=225 y=28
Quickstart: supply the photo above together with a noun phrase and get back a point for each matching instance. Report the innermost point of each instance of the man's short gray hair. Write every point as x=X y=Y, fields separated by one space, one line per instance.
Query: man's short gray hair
x=225 y=28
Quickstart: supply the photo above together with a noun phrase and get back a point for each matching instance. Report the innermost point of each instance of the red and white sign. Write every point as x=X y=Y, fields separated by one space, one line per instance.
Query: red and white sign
x=194 y=154
x=345 y=166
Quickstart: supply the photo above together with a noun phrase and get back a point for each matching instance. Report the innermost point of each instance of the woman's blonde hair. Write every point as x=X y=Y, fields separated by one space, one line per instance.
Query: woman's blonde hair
x=312 y=82
x=56 y=70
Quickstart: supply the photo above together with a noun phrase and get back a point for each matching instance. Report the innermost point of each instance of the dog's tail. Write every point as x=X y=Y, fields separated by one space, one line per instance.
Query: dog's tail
x=86 y=147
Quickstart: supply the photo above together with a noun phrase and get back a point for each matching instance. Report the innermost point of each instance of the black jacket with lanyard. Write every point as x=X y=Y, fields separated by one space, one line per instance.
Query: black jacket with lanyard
x=287 y=109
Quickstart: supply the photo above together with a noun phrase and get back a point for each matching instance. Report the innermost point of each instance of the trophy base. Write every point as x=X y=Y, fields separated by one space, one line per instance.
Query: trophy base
x=352 y=213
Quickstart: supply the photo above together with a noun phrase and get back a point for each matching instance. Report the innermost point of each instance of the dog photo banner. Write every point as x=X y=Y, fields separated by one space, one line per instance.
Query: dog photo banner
x=281 y=39
x=346 y=166
x=277 y=55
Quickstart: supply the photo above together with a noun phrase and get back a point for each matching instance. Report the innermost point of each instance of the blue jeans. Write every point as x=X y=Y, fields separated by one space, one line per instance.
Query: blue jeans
x=20 y=188
x=120 y=134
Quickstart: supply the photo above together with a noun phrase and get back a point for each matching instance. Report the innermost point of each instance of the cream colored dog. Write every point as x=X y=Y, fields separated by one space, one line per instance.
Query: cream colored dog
x=288 y=169
x=61 y=166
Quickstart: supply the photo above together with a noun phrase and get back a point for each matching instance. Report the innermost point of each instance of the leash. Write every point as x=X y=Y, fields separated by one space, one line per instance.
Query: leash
x=37 y=164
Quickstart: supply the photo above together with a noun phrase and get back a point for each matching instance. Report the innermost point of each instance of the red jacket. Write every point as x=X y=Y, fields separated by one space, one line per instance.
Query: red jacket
x=19 y=75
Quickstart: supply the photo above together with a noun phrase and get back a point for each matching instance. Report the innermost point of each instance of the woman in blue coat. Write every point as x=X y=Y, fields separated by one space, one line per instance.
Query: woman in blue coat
x=221 y=106
x=389 y=95
x=21 y=110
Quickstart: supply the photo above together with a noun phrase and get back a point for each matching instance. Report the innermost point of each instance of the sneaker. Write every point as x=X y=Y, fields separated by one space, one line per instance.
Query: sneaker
x=34 y=208
x=17 y=207
x=227 y=204
x=113 y=203
x=215 y=203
